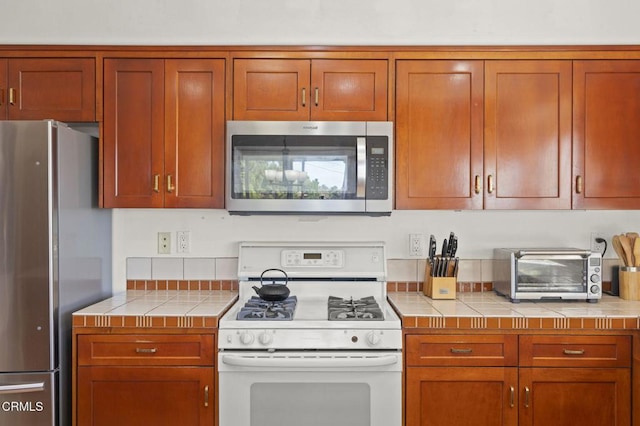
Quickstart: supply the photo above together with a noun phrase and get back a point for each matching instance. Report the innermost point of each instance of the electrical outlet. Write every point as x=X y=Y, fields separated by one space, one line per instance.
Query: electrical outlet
x=416 y=245
x=183 y=242
x=164 y=242
x=596 y=246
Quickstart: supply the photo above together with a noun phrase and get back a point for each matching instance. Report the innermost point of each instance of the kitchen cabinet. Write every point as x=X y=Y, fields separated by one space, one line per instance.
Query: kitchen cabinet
x=137 y=379
x=310 y=89
x=163 y=132
x=606 y=131
x=483 y=134
x=63 y=89
x=451 y=380
x=518 y=380
x=568 y=380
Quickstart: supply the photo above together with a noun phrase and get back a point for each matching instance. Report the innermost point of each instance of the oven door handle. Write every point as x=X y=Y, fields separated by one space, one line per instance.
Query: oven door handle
x=310 y=362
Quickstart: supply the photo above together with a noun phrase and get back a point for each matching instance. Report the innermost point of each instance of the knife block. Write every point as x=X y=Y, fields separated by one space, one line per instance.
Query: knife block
x=439 y=287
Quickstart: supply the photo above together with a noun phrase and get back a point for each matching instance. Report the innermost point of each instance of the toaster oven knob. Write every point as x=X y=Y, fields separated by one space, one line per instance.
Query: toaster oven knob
x=246 y=338
x=594 y=278
x=373 y=339
x=265 y=338
x=594 y=289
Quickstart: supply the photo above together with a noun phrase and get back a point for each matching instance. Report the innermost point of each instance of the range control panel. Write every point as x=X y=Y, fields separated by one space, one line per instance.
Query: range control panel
x=325 y=258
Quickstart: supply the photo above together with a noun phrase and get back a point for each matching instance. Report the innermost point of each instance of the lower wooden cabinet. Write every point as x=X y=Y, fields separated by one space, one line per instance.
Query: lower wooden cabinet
x=144 y=379
x=526 y=380
x=135 y=396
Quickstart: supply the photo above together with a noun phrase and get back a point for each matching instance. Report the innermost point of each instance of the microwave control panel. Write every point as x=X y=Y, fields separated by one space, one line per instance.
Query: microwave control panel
x=377 y=168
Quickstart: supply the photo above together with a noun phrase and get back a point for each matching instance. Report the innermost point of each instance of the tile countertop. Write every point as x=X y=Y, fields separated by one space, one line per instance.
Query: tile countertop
x=486 y=310
x=158 y=308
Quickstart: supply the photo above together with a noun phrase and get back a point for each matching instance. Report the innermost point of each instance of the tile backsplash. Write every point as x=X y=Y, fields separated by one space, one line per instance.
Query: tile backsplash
x=226 y=268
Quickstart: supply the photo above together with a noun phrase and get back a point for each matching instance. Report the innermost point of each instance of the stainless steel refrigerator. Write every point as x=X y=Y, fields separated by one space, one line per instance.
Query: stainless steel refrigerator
x=55 y=258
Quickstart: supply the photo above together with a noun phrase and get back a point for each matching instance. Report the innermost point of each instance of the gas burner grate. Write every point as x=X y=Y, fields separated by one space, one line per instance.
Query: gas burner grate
x=257 y=309
x=364 y=309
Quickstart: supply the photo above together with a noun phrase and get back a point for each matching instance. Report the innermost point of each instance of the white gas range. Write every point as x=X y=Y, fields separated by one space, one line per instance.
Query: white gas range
x=332 y=348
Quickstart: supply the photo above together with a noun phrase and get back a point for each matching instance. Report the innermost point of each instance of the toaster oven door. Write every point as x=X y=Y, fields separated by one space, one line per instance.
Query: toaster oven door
x=551 y=274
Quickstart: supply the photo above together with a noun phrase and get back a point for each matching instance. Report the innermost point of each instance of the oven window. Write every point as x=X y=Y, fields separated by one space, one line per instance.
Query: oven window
x=294 y=167
x=310 y=404
x=551 y=275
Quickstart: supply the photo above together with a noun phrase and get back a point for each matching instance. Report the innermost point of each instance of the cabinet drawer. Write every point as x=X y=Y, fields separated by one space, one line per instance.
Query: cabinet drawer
x=98 y=349
x=575 y=351
x=463 y=350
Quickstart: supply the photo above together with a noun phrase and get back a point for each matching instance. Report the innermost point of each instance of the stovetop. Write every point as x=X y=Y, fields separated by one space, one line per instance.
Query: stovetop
x=339 y=290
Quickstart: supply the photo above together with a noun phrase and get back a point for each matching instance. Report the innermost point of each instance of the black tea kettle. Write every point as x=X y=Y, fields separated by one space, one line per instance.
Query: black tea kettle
x=272 y=292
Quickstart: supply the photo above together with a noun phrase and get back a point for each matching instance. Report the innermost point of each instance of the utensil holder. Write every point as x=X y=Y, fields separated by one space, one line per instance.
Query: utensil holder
x=439 y=287
x=629 y=283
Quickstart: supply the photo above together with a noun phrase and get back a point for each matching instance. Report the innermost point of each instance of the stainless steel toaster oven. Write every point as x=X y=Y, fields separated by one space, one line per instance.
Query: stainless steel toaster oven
x=547 y=274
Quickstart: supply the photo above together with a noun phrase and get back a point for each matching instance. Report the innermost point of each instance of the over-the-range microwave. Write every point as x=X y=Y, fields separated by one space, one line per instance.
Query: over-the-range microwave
x=547 y=274
x=302 y=167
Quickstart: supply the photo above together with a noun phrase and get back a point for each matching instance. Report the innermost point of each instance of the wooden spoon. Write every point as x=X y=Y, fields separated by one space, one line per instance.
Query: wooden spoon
x=617 y=246
x=625 y=242
x=636 y=251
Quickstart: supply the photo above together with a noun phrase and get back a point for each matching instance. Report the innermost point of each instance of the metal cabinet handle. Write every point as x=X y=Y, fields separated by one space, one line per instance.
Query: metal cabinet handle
x=490 y=184
x=21 y=388
x=316 y=96
x=526 y=396
x=206 y=396
x=461 y=351
x=170 y=186
x=156 y=183
x=478 y=184
x=146 y=350
x=12 y=96
x=304 y=96
x=512 y=396
x=578 y=184
x=573 y=352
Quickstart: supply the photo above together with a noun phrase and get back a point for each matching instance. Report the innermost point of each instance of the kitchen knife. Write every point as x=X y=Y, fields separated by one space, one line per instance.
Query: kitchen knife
x=444 y=248
x=450 y=244
x=432 y=247
x=453 y=247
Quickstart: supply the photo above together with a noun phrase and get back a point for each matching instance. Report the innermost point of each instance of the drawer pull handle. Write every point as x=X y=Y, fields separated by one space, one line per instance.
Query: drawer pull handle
x=526 y=396
x=573 y=352
x=461 y=351
x=206 y=396
x=146 y=350
x=512 y=399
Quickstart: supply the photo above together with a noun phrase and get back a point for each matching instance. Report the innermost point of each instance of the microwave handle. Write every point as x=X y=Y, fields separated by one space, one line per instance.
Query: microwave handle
x=361 y=167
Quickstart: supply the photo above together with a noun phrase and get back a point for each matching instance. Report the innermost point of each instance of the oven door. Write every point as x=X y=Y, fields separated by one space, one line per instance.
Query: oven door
x=311 y=388
x=551 y=273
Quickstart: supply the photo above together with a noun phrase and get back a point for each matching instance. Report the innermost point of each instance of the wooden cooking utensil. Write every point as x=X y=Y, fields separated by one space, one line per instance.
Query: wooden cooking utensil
x=636 y=251
x=625 y=242
x=617 y=246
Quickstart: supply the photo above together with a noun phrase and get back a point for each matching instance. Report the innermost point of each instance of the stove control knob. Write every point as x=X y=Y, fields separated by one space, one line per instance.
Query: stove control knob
x=265 y=338
x=373 y=339
x=246 y=338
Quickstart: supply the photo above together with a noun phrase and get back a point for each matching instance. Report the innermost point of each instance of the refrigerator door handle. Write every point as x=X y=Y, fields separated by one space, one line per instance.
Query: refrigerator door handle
x=22 y=388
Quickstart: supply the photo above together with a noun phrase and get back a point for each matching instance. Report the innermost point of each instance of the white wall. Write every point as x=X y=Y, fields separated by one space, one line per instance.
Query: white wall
x=336 y=22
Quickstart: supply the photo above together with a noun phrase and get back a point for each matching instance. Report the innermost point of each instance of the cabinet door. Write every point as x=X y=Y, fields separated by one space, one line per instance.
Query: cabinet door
x=133 y=396
x=133 y=132
x=575 y=396
x=59 y=88
x=527 y=146
x=271 y=89
x=606 y=131
x=4 y=89
x=479 y=396
x=349 y=90
x=194 y=133
x=439 y=122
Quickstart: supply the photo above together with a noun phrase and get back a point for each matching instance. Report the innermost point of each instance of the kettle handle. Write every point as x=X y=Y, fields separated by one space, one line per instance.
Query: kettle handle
x=286 y=277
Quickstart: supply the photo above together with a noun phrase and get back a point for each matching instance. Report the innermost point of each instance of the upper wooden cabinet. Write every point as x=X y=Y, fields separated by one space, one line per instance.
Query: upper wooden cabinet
x=164 y=133
x=527 y=138
x=483 y=134
x=606 y=134
x=303 y=89
x=439 y=126
x=48 y=88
